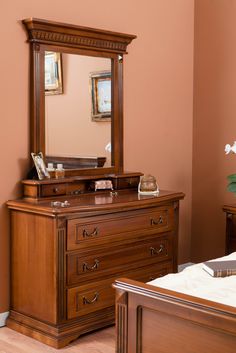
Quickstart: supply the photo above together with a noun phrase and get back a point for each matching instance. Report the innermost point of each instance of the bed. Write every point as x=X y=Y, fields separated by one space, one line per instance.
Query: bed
x=188 y=312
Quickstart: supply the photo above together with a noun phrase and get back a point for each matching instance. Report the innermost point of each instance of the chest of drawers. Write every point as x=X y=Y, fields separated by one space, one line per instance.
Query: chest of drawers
x=65 y=259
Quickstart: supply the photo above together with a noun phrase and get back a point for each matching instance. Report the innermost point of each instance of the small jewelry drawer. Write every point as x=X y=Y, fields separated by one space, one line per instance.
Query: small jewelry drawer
x=76 y=188
x=126 y=183
x=87 y=232
x=53 y=190
x=85 y=268
x=93 y=297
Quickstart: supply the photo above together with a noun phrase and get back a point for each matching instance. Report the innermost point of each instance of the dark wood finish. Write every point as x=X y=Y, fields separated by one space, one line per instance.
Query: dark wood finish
x=76 y=185
x=151 y=320
x=65 y=259
x=62 y=34
x=77 y=162
x=52 y=36
x=230 y=243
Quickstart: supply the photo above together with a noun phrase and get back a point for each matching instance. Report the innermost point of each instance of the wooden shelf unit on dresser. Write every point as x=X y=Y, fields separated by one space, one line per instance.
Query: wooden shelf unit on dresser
x=230 y=211
x=64 y=259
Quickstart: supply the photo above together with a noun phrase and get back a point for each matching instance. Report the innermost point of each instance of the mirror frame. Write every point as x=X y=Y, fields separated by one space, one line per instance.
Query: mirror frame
x=46 y=35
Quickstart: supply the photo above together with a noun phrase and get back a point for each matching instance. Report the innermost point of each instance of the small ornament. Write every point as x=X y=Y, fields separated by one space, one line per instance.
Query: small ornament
x=148 y=185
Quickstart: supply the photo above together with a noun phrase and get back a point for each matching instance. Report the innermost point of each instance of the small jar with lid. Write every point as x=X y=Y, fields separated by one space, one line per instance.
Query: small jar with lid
x=60 y=171
x=148 y=185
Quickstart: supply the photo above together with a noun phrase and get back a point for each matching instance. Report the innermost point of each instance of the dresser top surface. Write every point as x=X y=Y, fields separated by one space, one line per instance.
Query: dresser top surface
x=95 y=201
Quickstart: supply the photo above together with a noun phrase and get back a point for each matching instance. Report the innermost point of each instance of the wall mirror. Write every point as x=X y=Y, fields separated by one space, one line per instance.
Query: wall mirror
x=77 y=96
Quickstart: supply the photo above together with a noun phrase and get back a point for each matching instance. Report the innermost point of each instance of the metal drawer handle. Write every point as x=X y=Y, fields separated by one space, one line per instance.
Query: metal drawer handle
x=92 y=234
x=55 y=190
x=156 y=222
x=157 y=251
x=92 y=268
x=87 y=301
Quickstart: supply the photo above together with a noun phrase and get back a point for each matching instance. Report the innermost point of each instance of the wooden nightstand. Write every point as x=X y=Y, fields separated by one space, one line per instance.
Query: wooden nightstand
x=230 y=228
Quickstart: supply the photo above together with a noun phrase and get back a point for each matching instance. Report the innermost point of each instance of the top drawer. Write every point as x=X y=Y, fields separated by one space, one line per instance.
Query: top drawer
x=53 y=189
x=90 y=231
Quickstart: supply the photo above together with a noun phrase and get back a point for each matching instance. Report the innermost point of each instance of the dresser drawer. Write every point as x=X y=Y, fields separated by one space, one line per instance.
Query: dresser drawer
x=53 y=189
x=86 y=232
x=126 y=183
x=86 y=268
x=94 y=297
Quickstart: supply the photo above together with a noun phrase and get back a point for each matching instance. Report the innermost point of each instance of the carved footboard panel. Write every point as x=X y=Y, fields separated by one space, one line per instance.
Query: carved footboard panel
x=154 y=320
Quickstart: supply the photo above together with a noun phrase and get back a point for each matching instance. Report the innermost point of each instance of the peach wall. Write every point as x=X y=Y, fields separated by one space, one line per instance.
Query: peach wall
x=158 y=91
x=70 y=130
x=214 y=123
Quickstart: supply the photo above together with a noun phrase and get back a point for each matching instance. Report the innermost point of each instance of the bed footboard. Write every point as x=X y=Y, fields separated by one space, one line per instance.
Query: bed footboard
x=154 y=320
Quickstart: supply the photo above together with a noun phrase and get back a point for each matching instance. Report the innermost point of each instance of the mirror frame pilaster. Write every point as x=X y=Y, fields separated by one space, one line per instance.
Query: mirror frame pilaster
x=47 y=35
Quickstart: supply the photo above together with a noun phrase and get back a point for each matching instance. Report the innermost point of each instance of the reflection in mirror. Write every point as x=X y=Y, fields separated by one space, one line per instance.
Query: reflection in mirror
x=70 y=127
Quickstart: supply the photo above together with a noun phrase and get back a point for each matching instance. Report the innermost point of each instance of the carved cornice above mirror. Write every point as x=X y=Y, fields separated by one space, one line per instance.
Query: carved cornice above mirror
x=76 y=75
x=48 y=32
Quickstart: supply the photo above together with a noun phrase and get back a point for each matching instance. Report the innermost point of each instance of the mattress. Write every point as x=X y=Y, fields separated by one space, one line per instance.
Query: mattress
x=193 y=280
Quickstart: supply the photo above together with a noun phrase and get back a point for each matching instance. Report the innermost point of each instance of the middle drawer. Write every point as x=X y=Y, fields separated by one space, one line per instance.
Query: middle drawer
x=82 y=268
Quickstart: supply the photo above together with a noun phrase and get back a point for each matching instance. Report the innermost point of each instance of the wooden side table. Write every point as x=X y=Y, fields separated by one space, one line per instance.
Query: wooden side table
x=230 y=211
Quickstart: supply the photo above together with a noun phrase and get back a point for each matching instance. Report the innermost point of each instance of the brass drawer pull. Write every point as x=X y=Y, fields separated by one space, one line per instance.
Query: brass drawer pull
x=155 y=222
x=87 y=301
x=56 y=190
x=92 y=268
x=157 y=251
x=92 y=234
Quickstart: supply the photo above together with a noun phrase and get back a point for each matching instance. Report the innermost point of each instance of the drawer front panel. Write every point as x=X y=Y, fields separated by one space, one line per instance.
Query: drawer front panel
x=85 y=268
x=52 y=190
x=86 y=232
x=126 y=183
x=90 y=298
x=76 y=188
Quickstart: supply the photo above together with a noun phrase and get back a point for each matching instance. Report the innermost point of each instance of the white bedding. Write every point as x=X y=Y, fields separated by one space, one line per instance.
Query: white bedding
x=193 y=280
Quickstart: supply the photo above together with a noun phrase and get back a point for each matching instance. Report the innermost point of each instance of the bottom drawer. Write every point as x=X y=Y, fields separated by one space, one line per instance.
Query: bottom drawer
x=99 y=295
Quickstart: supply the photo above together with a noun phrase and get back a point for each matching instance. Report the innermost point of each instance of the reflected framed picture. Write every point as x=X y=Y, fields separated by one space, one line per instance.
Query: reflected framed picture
x=100 y=83
x=53 y=73
x=40 y=165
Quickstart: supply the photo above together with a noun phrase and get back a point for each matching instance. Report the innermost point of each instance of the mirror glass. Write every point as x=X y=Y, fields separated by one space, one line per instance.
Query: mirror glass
x=78 y=106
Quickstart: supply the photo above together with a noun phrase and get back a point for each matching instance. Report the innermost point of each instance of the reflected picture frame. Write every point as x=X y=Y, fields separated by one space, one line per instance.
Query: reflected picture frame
x=53 y=73
x=40 y=166
x=100 y=86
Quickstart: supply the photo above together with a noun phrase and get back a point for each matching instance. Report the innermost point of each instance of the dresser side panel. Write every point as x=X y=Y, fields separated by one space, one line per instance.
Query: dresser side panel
x=34 y=266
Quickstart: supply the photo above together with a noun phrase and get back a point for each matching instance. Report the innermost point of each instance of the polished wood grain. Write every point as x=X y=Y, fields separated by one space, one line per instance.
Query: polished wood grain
x=55 y=33
x=77 y=162
x=46 y=35
x=153 y=320
x=76 y=185
x=102 y=341
x=34 y=266
x=87 y=266
x=65 y=259
x=86 y=232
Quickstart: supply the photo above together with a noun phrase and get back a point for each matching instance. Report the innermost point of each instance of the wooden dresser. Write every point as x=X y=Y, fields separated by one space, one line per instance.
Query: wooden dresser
x=69 y=242
x=230 y=211
x=66 y=256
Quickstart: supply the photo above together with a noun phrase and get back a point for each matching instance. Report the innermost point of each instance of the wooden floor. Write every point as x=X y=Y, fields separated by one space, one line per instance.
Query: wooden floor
x=102 y=341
